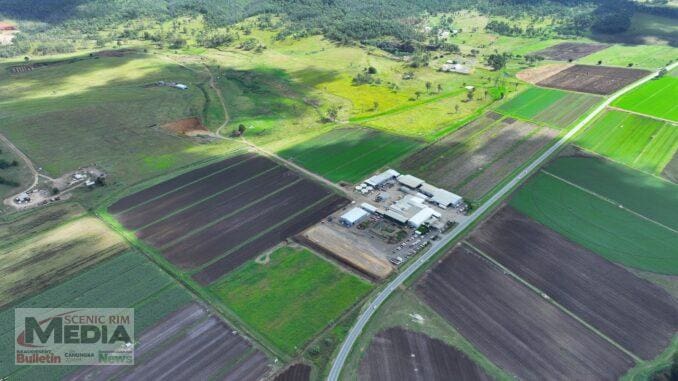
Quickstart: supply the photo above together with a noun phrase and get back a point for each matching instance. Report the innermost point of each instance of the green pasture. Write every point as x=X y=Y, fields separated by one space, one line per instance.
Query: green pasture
x=639 y=142
x=655 y=98
x=641 y=56
x=648 y=195
x=552 y=107
x=11 y=174
x=100 y=111
x=126 y=281
x=291 y=298
x=349 y=154
x=603 y=227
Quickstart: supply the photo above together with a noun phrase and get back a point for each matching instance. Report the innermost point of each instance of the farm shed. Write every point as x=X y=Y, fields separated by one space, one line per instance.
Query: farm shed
x=368 y=207
x=455 y=68
x=440 y=197
x=395 y=216
x=381 y=178
x=181 y=86
x=423 y=216
x=353 y=216
x=410 y=181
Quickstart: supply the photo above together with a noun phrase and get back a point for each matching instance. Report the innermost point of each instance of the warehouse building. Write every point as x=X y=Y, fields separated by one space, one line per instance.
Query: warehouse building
x=412 y=211
x=381 y=178
x=410 y=181
x=354 y=216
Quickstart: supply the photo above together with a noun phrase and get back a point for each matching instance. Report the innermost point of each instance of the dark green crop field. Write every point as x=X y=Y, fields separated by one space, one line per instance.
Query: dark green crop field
x=349 y=154
x=619 y=234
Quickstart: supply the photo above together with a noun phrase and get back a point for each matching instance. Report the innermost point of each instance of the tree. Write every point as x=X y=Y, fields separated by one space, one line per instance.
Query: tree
x=333 y=113
x=241 y=128
x=417 y=94
x=498 y=61
x=456 y=108
x=440 y=87
x=376 y=105
x=26 y=59
x=428 y=86
x=372 y=70
x=469 y=95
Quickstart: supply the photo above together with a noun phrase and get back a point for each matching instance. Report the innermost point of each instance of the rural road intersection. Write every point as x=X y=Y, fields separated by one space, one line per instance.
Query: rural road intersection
x=367 y=313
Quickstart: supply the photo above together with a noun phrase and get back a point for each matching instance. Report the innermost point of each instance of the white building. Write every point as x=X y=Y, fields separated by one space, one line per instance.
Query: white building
x=423 y=216
x=368 y=207
x=381 y=178
x=354 y=216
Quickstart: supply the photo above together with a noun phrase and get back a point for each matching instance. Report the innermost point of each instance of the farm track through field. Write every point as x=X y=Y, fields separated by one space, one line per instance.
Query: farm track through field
x=610 y=201
x=447 y=238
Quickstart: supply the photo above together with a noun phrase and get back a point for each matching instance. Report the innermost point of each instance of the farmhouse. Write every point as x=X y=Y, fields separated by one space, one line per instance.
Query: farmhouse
x=354 y=216
x=381 y=178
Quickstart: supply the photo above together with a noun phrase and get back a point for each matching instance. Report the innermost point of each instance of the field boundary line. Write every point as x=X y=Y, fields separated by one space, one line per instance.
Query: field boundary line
x=215 y=194
x=673 y=122
x=254 y=238
x=182 y=186
x=608 y=200
x=222 y=218
x=550 y=300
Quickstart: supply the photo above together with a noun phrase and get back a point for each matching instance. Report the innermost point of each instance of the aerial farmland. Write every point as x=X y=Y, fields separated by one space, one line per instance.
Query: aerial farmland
x=313 y=190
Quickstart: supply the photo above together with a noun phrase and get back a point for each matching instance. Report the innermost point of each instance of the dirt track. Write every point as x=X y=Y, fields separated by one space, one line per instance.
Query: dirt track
x=633 y=312
x=398 y=354
x=515 y=327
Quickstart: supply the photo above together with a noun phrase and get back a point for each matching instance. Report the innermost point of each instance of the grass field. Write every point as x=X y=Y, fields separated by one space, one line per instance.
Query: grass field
x=98 y=111
x=36 y=262
x=349 y=154
x=635 y=190
x=13 y=178
x=552 y=107
x=636 y=141
x=655 y=98
x=641 y=56
x=616 y=233
x=128 y=280
x=36 y=221
x=292 y=297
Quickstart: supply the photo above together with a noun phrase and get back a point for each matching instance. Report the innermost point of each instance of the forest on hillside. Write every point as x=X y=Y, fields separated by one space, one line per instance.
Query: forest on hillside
x=344 y=21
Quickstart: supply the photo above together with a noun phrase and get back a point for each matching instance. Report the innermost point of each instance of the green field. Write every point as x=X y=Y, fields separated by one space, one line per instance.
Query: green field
x=14 y=174
x=292 y=298
x=552 y=107
x=127 y=280
x=349 y=154
x=642 y=143
x=655 y=98
x=616 y=233
x=648 y=195
x=101 y=111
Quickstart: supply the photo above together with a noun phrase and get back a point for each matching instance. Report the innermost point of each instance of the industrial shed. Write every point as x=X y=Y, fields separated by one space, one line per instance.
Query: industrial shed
x=410 y=181
x=354 y=216
x=381 y=178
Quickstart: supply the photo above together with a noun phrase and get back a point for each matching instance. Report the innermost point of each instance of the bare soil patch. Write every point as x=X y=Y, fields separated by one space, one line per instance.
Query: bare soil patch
x=399 y=354
x=593 y=79
x=188 y=344
x=537 y=74
x=513 y=326
x=186 y=127
x=364 y=258
x=214 y=219
x=633 y=312
x=297 y=372
x=569 y=51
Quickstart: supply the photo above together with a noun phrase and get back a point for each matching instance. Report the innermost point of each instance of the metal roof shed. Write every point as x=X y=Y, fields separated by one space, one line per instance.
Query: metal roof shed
x=410 y=181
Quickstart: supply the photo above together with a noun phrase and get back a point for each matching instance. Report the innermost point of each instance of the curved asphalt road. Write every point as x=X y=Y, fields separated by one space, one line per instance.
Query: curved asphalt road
x=365 y=316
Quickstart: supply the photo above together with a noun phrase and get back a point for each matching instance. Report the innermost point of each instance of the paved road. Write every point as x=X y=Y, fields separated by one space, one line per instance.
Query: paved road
x=365 y=316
